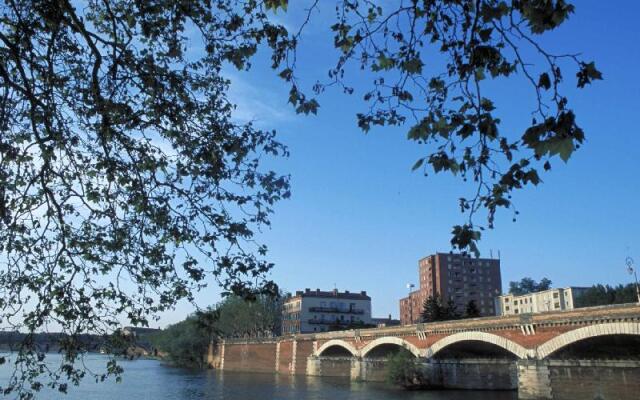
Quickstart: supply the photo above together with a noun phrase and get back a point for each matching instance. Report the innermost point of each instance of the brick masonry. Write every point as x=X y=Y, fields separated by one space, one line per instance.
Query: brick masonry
x=534 y=371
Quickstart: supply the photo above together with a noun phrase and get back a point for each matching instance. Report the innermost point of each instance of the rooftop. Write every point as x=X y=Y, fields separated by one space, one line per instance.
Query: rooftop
x=461 y=255
x=331 y=294
x=544 y=291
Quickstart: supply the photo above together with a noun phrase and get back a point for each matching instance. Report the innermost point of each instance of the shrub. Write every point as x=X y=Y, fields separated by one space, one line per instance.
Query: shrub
x=404 y=370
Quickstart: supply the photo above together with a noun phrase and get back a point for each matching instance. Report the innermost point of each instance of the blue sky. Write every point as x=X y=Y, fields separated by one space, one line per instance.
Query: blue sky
x=360 y=219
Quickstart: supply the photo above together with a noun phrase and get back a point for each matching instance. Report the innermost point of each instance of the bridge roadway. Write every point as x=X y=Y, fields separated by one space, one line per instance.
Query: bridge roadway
x=574 y=354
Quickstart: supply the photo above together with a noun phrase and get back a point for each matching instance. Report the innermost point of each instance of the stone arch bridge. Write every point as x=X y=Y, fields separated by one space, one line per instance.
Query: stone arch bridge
x=571 y=354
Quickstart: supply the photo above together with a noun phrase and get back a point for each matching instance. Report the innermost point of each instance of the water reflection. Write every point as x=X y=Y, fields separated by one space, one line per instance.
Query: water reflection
x=150 y=380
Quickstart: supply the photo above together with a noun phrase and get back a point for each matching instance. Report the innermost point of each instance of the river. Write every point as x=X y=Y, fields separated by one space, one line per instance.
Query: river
x=152 y=380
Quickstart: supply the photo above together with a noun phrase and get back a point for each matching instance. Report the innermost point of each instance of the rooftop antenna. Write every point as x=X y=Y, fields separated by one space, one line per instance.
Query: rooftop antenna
x=498 y=254
x=490 y=253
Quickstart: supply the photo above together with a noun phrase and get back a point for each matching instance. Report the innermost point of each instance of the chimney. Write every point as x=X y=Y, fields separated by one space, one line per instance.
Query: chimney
x=364 y=293
x=346 y=291
x=307 y=290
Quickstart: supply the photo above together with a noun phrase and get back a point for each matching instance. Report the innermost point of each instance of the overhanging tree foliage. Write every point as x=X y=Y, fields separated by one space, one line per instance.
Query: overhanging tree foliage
x=431 y=64
x=124 y=180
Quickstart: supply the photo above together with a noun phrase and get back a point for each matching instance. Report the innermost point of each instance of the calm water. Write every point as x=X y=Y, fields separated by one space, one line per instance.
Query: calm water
x=151 y=380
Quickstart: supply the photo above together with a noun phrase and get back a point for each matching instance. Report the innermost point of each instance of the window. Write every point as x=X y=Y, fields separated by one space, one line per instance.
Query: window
x=555 y=295
x=557 y=305
x=515 y=310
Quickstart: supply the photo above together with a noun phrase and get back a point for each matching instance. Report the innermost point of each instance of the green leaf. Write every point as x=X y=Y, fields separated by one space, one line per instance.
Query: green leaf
x=564 y=148
x=544 y=81
x=418 y=164
x=384 y=62
x=412 y=66
x=588 y=73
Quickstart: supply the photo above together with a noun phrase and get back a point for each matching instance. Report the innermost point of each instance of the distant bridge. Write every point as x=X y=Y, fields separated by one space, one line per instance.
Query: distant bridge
x=550 y=355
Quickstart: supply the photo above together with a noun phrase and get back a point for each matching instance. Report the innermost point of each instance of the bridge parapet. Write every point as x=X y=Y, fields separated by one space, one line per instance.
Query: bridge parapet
x=540 y=347
x=581 y=316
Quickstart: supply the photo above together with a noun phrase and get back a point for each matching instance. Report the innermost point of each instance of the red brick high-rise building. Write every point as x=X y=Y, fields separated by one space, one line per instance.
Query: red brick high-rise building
x=457 y=277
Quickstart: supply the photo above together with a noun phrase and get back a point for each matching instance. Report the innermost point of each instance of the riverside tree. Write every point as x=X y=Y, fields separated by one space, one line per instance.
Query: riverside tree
x=125 y=182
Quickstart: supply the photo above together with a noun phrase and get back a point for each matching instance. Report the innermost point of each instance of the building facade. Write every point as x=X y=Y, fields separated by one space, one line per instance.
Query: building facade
x=546 y=300
x=311 y=311
x=455 y=277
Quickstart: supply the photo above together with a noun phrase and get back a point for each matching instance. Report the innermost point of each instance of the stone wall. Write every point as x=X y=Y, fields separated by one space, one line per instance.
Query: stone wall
x=284 y=356
x=250 y=357
x=579 y=379
x=602 y=380
x=304 y=349
x=479 y=374
x=329 y=366
x=372 y=370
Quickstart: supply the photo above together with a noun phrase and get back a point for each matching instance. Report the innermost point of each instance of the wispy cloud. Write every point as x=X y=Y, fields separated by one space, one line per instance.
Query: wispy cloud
x=257 y=104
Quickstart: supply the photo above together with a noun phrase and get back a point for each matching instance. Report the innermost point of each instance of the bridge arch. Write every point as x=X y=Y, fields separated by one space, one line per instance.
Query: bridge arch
x=390 y=340
x=509 y=345
x=567 y=338
x=336 y=342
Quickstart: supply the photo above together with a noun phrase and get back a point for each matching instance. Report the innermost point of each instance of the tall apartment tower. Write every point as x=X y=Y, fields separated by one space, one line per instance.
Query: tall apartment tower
x=457 y=277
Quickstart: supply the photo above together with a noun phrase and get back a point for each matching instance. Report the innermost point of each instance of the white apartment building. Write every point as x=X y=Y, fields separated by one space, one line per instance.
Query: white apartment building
x=538 y=302
x=319 y=311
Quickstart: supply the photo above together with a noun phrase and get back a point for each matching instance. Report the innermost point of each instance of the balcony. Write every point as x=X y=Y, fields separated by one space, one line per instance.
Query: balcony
x=336 y=310
x=335 y=322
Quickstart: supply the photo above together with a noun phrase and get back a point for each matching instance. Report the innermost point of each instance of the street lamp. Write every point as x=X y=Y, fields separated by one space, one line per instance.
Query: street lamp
x=632 y=271
x=409 y=287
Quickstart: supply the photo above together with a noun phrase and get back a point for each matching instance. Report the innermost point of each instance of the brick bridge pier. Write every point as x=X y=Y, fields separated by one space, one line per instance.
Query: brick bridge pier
x=590 y=353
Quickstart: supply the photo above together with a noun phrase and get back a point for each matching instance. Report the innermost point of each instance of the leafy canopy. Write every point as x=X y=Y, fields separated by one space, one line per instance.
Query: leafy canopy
x=528 y=285
x=124 y=180
x=431 y=64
